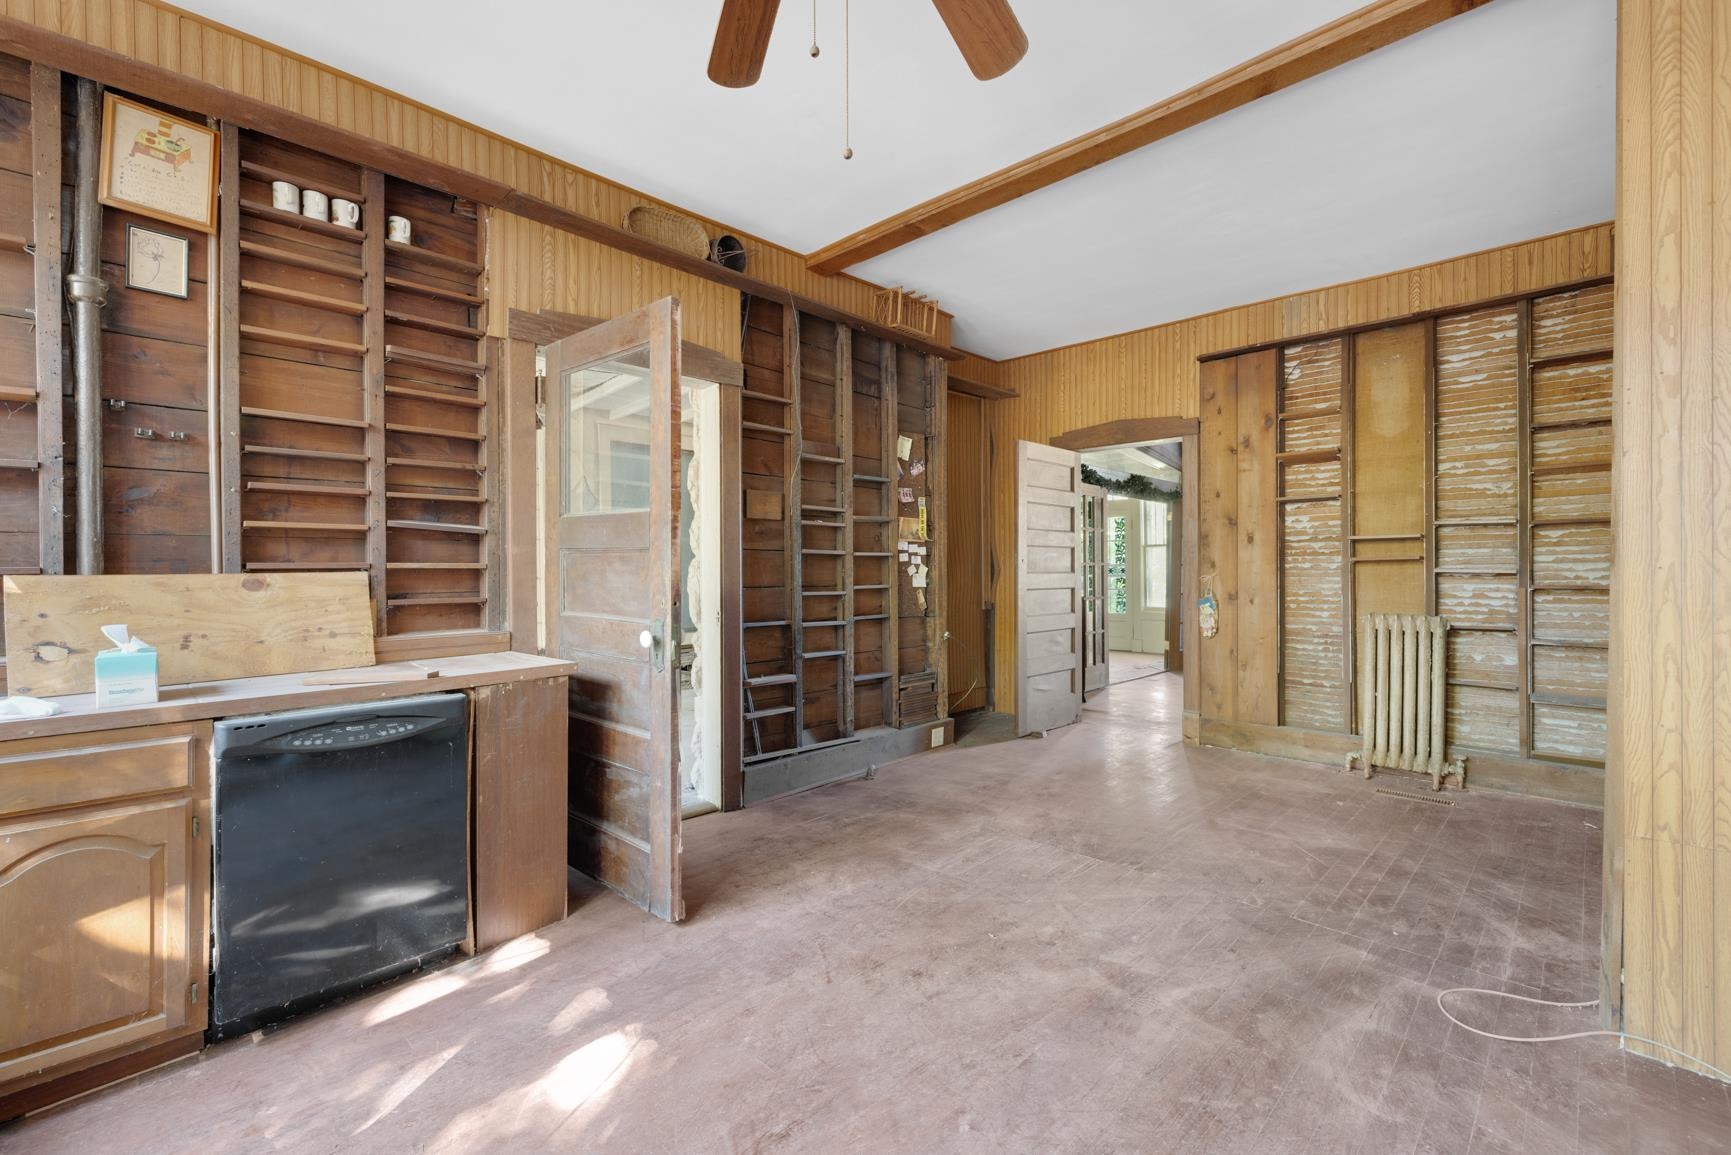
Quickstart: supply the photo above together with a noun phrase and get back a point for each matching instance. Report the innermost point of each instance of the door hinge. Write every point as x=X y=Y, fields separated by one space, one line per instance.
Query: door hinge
x=195 y=826
x=192 y=993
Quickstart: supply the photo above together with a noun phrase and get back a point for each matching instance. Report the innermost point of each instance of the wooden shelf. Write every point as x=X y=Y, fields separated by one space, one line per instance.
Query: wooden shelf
x=300 y=340
x=823 y=625
x=1448 y=522
x=874 y=520
x=765 y=625
x=311 y=300
x=308 y=454
x=1303 y=411
x=427 y=256
x=463 y=498
x=1578 y=357
x=1569 y=423
x=407 y=356
x=823 y=508
x=1296 y=498
x=436 y=292
x=872 y=587
x=808 y=523
x=462 y=399
x=271 y=213
x=301 y=260
x=864 y=553
x=1458 y=571
x=431 y=431
x=433 y=325
x=759 y=427
x=1571 y=469
x=824 y=654
x=751 y=395
x=315 y=566
x=303 y=418
x=823 y=593
x=20 y=463
x=871 y=617
x=268 y=173
x=307 y=487
x=307 y=526
x=768 y=712
x=1387 y=537
x=437 y=565
x=1546 y=522
x=395 y=601
x=822 y=458
x=825 y=552
x=1482 y=684
x=1578 y=701
x=435 y=463
x=763 y=680
x=23 y=393
x=439 y=527
x=1565 y=644
x=873 y=677
x=870 y=479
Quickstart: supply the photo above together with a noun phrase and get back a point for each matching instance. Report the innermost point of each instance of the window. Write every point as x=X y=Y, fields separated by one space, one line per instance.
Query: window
x=1117 y=565
x=1155 y=521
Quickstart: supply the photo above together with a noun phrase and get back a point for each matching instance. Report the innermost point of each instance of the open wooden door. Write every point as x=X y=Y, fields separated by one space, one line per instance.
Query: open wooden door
x=1048 y=587
x=613 y=460
x=1096 y=644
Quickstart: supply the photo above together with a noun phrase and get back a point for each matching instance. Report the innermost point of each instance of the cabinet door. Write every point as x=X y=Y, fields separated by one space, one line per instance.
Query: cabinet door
x=100 y=948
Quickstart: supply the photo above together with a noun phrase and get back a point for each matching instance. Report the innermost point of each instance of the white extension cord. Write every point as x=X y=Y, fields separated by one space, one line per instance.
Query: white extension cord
x=1624 y=1035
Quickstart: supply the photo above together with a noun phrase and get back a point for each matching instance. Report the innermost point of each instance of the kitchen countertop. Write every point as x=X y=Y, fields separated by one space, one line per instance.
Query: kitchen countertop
x=197 y=700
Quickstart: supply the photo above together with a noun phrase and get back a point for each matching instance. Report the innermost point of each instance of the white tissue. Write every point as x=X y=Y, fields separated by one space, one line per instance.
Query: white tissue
x=18 y=706
x=123 y=639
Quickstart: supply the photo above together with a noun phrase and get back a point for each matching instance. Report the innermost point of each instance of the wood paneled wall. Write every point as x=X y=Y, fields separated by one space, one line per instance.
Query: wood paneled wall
x=970 y=549
x=160 y=35
x=531 y=266
x=1668 y=823
x=1153 y=372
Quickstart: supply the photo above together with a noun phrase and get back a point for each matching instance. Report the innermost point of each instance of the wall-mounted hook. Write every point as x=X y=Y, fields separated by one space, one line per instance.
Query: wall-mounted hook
x=116 y=404
x=141 y=431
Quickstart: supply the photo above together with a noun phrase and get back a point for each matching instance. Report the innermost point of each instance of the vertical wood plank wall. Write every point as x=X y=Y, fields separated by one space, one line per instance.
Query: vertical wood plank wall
x=1668 y=826
x=1154 y=373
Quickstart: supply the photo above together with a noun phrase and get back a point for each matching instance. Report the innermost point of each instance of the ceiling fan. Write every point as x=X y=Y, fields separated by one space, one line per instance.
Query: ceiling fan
x=987 y=32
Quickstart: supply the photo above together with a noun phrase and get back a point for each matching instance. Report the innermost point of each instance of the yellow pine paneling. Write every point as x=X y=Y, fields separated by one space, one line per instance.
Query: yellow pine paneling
x=1152 y=372
x=1668 y=832
x=968 y=500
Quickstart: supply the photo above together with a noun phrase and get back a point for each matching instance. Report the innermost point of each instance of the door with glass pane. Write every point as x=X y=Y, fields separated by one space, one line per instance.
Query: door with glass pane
x=612 y=405
x=1096 y=651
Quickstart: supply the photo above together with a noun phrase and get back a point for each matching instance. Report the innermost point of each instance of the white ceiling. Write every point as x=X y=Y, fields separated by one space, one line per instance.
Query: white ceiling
x=1496 y=126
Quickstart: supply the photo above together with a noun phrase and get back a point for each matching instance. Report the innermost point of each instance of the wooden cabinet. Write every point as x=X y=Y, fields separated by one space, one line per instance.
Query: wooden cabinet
x=104 y=880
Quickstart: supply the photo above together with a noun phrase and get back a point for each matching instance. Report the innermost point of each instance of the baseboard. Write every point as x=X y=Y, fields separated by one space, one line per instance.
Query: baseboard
x=1581 y=786
x=52 y=1089
x=839 y=761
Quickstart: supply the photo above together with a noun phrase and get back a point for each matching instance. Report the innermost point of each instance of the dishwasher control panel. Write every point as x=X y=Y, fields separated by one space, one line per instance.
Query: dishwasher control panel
x=349 y=734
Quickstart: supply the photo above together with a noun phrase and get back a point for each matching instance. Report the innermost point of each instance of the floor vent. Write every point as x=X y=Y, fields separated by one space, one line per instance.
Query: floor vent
x=1415 y=797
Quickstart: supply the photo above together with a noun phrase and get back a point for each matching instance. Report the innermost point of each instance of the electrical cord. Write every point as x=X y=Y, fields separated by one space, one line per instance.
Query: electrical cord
x=1624 y=1035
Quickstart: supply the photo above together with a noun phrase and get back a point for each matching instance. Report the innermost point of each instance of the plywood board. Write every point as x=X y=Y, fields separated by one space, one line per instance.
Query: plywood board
x=204 y=627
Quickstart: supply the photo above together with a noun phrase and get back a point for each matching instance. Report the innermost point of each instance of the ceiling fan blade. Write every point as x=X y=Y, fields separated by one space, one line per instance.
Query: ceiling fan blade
x=741 y=42
x=987 y=32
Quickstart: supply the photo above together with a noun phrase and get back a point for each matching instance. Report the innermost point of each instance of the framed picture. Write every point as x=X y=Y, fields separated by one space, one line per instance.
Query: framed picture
x=158 y=165
x=157 y=262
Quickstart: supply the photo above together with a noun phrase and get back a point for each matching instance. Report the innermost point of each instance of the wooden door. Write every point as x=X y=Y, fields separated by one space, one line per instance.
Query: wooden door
x=1048 y=587
x=1096 y=647
x=613 y=590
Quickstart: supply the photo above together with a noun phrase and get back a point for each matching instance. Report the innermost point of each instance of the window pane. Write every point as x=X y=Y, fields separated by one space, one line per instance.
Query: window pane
x=607 y=455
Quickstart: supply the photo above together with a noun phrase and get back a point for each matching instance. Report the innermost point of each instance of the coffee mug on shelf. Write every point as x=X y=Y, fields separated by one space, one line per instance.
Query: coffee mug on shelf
x=345 y=213
x=398 y=229
x=316 y=205
x=285 y=196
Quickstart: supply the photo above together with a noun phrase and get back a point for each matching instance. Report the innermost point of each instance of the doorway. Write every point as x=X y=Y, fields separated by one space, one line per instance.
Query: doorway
x=1141 y=554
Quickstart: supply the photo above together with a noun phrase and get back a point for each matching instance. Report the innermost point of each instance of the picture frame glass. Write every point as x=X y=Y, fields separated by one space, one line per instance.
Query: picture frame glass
x=158 y=165
x=158 y=262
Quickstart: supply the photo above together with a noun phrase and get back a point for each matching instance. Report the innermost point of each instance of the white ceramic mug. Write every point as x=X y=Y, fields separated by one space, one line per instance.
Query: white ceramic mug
x=285 y=196
x=398 y=229
x=316 y=205
x=345 y=213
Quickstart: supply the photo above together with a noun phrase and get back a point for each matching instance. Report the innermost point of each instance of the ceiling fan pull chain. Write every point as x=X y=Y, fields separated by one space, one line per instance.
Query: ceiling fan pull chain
x=814 y=49
x=846 y=79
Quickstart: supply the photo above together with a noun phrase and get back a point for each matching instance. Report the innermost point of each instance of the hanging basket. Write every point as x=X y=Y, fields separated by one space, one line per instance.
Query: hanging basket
x=666 y=227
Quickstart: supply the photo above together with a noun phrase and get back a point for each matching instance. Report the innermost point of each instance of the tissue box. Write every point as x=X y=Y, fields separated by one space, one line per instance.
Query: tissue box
x=126 y=677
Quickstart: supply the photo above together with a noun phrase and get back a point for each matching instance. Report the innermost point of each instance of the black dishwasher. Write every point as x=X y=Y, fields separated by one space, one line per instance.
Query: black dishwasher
x=341 y=852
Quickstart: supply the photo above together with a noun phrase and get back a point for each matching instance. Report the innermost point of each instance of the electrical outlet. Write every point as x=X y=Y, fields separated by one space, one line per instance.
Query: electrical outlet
x=937 y=736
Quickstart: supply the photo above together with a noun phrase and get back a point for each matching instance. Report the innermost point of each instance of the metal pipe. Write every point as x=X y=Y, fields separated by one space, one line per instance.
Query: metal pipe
x=87 y=292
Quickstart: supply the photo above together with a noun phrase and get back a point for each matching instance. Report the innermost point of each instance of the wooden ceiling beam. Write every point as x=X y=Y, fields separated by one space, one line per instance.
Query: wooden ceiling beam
x=1356 y=34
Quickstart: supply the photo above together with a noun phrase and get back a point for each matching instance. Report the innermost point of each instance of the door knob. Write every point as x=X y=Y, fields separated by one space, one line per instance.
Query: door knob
x=651 y=640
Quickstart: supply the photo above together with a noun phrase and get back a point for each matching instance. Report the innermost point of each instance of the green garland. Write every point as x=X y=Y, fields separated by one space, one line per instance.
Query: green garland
x=1137 y=486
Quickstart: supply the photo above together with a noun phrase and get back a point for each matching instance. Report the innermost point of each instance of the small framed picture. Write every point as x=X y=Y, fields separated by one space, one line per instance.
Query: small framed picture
x=158 y=165
x=157 y=262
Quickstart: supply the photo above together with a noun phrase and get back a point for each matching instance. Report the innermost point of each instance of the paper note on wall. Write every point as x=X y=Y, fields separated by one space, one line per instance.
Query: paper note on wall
x=904 y=446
